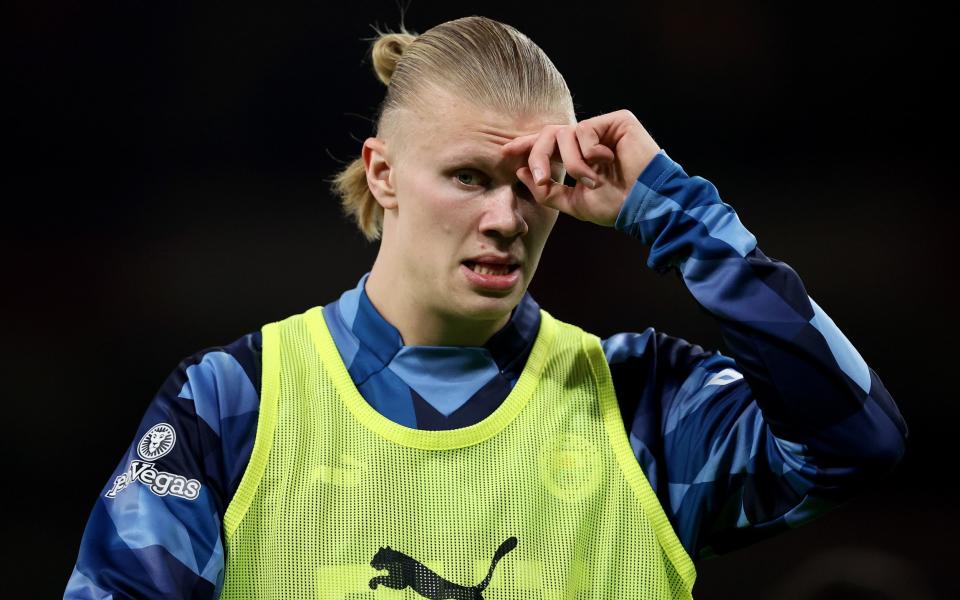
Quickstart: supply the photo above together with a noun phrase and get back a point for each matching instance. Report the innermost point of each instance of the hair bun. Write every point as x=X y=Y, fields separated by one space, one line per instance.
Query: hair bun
x=387 y=51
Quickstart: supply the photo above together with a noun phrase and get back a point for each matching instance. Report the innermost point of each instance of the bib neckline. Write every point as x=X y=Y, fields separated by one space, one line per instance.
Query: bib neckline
x=445 y=439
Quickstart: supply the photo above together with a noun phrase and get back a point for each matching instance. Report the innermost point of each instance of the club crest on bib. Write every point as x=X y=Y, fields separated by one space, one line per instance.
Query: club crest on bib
x=157 y=442
x=570 y=467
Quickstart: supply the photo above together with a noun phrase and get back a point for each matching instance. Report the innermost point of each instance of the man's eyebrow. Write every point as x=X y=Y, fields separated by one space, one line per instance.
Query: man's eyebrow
x=473 y=155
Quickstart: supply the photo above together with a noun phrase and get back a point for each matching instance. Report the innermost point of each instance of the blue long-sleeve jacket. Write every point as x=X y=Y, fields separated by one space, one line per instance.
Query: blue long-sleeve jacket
x=736 y=447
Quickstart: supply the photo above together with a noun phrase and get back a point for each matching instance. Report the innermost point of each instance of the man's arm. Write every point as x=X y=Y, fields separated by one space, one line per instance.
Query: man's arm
x=155 y=529
x=794 y=422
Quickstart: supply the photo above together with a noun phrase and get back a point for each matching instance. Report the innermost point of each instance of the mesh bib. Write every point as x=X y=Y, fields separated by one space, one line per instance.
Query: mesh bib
x=543 y=499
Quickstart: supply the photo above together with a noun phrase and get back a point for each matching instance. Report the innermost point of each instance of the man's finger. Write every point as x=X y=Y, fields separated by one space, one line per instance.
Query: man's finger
x=551 y=194
x=573 y=158
x=590 y=145
x=543 y=149
x=519 y=144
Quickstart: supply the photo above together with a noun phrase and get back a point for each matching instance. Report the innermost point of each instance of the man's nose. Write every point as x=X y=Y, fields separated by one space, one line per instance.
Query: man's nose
x=503 y=215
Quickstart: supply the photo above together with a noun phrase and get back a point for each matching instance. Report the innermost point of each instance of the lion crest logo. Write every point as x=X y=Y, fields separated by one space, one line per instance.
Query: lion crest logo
x=157 y=442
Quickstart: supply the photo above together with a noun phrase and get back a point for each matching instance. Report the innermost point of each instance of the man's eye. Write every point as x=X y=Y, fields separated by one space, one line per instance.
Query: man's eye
x=471 y=178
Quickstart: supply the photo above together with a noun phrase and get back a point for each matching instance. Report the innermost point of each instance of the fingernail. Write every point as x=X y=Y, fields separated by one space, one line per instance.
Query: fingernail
x=537 y=174
x=588 y=182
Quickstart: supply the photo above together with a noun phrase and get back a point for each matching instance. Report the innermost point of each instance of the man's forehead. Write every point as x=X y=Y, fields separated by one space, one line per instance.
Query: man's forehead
x=477 y=137
x=476 y=132
x=473 y=150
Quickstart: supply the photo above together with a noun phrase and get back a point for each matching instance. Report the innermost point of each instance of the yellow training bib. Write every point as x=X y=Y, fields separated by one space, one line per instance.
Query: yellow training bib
x=543 y=499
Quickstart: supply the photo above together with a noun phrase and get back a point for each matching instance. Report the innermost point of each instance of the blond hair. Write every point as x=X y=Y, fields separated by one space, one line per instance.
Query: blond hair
x=489 y=63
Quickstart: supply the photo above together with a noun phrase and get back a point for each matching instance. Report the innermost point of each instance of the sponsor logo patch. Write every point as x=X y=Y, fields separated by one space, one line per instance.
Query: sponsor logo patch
x=160 y=483
x=157 y=442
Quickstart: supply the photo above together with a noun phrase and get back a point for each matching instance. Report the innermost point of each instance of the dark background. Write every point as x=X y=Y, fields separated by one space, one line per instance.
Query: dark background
x=165 y=192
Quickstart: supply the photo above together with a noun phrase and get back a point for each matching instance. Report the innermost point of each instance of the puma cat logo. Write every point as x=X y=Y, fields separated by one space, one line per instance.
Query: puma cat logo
x=408 y=571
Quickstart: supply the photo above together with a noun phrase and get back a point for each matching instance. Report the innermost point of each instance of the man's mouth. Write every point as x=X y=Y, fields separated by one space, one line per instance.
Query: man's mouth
x=490 y=269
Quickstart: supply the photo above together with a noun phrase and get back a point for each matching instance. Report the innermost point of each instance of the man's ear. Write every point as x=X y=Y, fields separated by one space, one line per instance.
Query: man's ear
x=379 y=172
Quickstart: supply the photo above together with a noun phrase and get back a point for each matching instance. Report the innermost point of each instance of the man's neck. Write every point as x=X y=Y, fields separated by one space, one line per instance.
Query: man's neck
x=419 y=326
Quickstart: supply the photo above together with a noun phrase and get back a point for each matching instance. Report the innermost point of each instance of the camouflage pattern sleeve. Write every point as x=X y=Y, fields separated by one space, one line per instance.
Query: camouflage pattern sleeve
x=155 y=529
x=790 y=424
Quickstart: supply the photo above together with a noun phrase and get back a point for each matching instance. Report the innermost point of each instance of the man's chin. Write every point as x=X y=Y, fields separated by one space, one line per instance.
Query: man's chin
x=487 y=307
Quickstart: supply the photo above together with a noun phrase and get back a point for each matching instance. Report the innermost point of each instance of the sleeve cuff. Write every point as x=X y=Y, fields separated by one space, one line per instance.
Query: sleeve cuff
x=646 y=185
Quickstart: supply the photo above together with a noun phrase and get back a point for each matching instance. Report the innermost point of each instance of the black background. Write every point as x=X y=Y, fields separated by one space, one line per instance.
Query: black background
x=165 y=192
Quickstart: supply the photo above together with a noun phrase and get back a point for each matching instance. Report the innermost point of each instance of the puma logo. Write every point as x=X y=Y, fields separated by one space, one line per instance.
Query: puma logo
x=724 y=377
x=408 y=571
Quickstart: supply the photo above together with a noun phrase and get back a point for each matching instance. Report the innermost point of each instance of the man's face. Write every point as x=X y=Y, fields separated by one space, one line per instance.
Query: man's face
x=456 y=199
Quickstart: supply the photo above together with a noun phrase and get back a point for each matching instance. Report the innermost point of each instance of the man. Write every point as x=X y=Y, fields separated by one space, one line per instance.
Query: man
x=434 y=429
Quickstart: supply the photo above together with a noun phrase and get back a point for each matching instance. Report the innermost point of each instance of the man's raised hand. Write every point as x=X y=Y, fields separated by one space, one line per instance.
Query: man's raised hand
x=605 y=154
